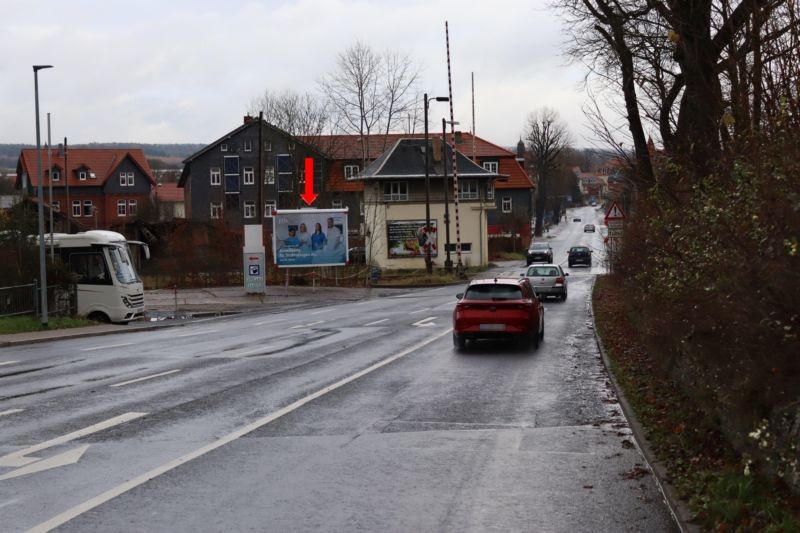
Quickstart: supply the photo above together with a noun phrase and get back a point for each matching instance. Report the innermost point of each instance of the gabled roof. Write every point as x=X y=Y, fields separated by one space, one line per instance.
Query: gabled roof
x=102 y=161
x=305 y=141
x=406 y=160
x=169 y=192
x=350 y=148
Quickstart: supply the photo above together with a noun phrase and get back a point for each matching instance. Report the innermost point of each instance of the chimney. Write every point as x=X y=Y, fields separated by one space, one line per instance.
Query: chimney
x=248 y=119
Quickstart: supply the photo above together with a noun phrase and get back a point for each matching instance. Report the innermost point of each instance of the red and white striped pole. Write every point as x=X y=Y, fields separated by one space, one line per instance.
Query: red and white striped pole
x=459 y=266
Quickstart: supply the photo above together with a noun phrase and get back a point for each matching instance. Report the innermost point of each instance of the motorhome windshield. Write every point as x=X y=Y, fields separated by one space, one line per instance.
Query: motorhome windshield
x=123 y=267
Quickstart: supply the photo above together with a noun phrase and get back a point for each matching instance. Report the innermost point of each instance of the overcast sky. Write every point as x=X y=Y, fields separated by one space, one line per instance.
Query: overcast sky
x=178 y=71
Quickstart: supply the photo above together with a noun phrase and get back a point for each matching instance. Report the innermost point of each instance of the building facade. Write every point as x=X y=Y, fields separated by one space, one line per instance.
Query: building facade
x=98 y=188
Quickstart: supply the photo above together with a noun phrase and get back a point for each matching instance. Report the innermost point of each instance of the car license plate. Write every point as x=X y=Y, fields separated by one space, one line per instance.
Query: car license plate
x=493 y=327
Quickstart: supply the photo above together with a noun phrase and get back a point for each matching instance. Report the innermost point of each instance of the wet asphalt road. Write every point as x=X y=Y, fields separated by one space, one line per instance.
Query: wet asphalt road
x=354 y=417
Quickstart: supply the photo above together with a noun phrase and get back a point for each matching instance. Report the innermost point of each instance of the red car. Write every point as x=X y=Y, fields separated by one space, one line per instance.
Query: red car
x=498 y=308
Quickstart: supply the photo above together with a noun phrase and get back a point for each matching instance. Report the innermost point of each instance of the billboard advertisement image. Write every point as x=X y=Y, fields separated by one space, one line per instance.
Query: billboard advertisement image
x=408 y=238
x=310 y=237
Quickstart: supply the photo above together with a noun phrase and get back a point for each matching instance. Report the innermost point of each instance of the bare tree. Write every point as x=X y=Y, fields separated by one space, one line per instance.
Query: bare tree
x=299 y=114
x=547 y=138
x=370 y=92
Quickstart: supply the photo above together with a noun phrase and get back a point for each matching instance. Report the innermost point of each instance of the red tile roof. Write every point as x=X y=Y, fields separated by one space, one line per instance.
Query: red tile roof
x=102 y=161
x=169 y=192
x=350 y=148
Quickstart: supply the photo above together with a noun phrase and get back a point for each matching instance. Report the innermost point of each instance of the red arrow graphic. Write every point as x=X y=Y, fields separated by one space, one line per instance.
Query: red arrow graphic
x=309 y=196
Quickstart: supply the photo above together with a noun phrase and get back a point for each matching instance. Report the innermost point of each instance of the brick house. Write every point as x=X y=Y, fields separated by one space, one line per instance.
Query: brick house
x=106 y=186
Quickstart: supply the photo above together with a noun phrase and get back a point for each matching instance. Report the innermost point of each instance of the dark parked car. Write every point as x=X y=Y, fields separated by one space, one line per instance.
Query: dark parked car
x=588 y=228
x=579 y=255
x=498 y=308
x=539 y=252
x=576 y=219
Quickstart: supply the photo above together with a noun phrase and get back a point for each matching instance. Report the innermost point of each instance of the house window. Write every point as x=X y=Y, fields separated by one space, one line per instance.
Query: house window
x=123 y=179
x=223 y=147
x=76 y=208
x=267 y=146
x=216 y=176
x=269 y=207
x=248 y=145
x=249 y=210
x=468 y=190
x=216 y=209
x=269 y=175
x=490 y=191
x=120 y=208
x=395 y=191
x=491 y=166
x=130 y=179
x=506 y=204
x=56 y=175
x=336 y=204
x=56 y=205
x=350 y=171
x=88 y=208
x=249 y=176
x=82 y=175
x=133 y=207
x=466 y=247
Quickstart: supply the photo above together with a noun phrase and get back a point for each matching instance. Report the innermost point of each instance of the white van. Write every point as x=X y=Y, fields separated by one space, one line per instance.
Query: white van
x=109 y=289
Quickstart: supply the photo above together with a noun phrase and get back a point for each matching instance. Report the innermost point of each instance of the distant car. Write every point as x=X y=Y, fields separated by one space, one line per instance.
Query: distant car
x=588 y=228
x=357 y=255
x=576 y=219
x=539 y=252
x=594 y=203
x=548 y=280
x=579 y=255
x=498 y=308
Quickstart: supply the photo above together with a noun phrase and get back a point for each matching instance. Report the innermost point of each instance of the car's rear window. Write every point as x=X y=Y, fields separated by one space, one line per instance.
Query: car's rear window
x=542 y=246
x=494 y=292
x=580 y=249
x=543 y=271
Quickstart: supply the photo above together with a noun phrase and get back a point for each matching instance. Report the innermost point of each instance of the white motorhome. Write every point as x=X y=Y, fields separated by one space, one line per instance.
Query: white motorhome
x=109 y=289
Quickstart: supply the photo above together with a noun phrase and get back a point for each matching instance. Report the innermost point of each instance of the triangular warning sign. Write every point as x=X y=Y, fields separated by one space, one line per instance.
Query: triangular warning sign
x=614 y=212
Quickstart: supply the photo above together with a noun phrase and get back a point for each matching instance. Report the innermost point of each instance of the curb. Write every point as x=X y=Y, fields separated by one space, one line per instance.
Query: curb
x=83 y=334
x=418 y=286
x=678 y=508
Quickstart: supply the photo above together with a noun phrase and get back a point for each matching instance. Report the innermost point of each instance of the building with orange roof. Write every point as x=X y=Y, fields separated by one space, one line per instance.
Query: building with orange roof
x=98 y=188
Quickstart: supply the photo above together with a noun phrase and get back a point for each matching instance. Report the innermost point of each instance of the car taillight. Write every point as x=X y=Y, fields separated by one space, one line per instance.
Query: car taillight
x=461 y=307
x=559 y=280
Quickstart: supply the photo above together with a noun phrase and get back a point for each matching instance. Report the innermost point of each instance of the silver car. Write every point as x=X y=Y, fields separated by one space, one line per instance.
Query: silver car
x=548 y=280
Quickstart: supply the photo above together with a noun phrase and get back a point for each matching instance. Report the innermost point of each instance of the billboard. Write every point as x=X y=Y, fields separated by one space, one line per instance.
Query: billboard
x=310 y=237
x=408 y=238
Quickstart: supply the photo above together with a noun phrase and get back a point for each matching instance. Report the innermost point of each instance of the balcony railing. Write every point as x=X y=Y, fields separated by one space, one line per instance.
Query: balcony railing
x=417 y=198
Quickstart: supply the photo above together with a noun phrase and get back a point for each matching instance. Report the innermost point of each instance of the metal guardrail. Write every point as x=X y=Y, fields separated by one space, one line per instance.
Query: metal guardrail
x=24 y=299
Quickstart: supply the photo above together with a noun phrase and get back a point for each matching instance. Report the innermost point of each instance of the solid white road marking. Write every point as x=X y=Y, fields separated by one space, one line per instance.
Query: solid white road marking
x=67 y=458
x=88 y=505
x=8 y=363
x=376 y=322
x=425 y=322
x=146 y=377
x=419 y=311
x=18 y=458
x=105 y=347
x=201 y=332
x=307 y=325
x=11 y=411
x=322 y=311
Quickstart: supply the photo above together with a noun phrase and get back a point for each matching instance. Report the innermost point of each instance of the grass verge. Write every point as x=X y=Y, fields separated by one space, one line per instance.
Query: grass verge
x=707 y=473
x=25 y=323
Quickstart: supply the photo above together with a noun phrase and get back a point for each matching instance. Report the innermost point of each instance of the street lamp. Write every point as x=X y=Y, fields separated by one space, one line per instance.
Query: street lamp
x=40 y=197
x=448 y=263
x=428 y=263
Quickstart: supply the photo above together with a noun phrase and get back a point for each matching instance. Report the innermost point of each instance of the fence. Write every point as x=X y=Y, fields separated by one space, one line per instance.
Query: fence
x=24 y=299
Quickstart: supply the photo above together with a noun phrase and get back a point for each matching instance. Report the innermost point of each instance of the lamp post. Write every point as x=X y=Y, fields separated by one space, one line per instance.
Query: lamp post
x=428 y=263
x=40 y=198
